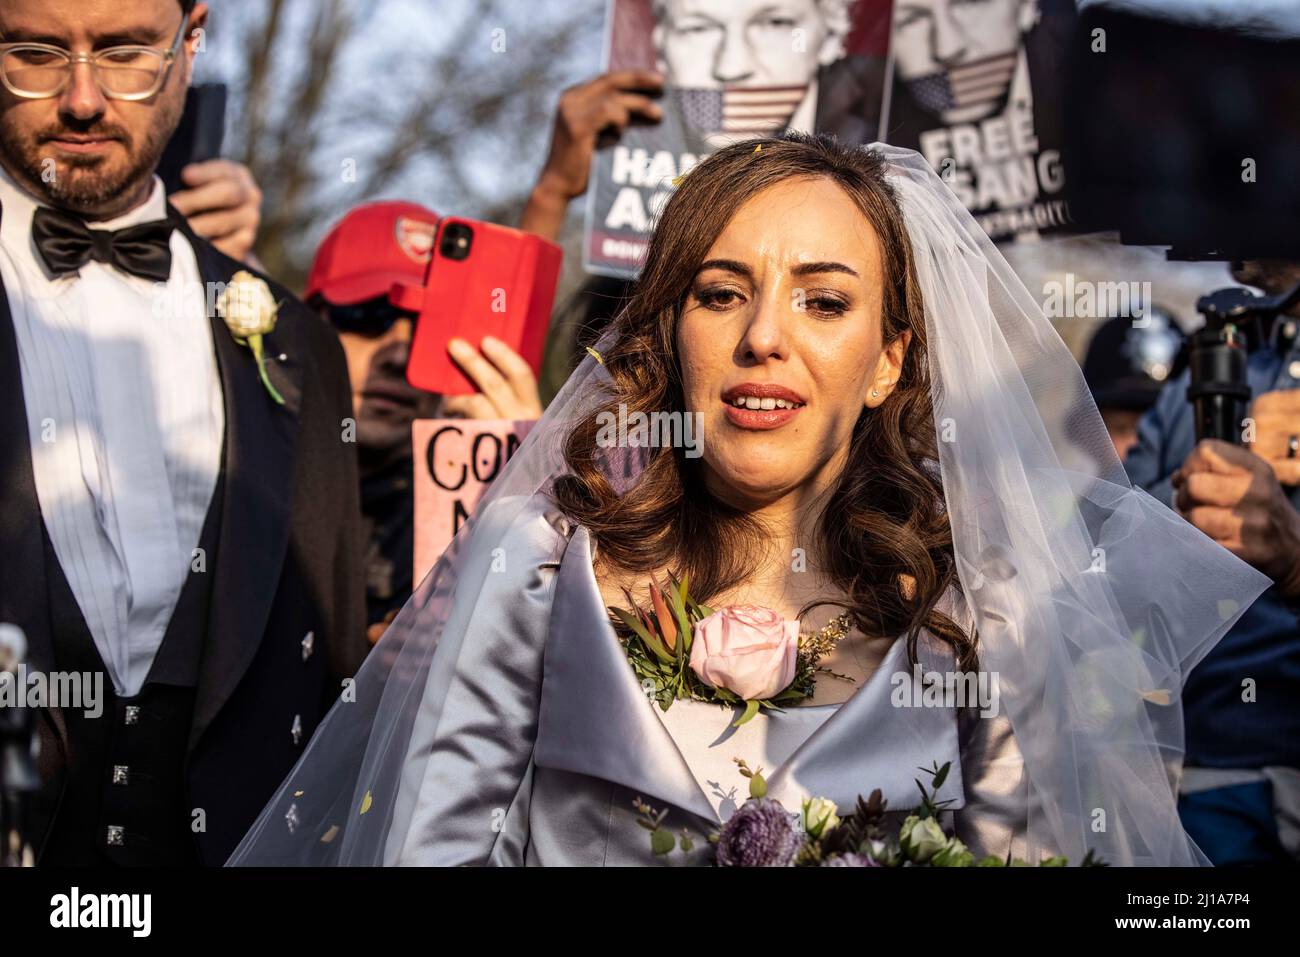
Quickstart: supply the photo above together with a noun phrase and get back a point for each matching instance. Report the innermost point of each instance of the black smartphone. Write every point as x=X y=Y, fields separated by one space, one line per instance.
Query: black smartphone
x=199 y=135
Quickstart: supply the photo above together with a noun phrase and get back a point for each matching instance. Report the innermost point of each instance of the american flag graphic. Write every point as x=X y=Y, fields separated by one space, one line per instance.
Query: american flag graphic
x=753 y=110
x=968 y=84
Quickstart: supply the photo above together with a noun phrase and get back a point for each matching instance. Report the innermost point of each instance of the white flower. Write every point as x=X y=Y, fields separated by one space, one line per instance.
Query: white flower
x=819 y=816
x=921 y=838
x=247 y=306
x=250 y=310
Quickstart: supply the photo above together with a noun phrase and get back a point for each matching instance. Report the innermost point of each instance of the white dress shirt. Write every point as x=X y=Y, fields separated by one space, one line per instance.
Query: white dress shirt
x=125 y=418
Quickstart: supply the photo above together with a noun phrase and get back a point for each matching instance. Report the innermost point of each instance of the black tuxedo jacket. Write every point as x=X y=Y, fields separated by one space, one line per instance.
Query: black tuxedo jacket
x=287 y=562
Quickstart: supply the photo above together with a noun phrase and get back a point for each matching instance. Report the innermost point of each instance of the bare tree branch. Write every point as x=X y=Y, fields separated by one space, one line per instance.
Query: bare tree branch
x=259 y=64
x=463 y=128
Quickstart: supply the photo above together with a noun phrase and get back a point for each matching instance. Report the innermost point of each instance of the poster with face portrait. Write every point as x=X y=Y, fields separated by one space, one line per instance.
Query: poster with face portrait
x=976 y=89
x=734 y=69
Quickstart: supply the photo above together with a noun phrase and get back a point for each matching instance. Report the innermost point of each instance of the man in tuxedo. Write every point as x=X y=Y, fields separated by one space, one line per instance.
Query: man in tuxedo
x=168 y=518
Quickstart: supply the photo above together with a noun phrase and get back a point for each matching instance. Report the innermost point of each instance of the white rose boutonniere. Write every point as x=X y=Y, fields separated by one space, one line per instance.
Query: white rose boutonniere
x=250 y=312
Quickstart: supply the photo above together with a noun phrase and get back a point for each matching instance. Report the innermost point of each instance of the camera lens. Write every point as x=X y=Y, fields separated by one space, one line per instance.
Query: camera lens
x=456 y=241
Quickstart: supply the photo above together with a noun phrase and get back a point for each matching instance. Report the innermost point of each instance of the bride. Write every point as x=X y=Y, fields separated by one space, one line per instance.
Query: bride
x=900 y=475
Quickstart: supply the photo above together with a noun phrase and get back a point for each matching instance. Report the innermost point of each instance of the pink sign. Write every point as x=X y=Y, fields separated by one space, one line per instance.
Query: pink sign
x=455 y=461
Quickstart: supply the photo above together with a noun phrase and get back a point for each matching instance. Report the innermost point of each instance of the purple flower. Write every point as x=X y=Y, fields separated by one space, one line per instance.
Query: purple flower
x=850 y=860
x=760 y=834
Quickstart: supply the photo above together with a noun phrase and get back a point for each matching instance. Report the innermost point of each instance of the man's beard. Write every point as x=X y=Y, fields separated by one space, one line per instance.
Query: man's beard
x=86 y=184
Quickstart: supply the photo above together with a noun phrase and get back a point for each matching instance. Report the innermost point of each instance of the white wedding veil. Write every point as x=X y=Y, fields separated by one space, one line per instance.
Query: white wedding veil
x=1092 y=600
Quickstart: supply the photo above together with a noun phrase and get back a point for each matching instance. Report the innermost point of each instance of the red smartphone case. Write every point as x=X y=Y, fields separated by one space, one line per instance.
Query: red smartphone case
x=504 y=287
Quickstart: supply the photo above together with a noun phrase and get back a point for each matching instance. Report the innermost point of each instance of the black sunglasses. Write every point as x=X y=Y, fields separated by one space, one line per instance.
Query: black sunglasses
x=373 y=317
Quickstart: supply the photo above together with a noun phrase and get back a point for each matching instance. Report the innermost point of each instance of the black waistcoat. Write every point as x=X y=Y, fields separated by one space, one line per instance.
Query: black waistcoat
x=124 y=799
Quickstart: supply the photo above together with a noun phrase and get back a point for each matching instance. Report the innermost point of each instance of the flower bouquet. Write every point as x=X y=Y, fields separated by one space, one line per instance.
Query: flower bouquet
x=763 y=833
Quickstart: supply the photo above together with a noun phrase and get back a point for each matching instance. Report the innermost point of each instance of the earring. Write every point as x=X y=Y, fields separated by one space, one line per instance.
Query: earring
x=875 y=392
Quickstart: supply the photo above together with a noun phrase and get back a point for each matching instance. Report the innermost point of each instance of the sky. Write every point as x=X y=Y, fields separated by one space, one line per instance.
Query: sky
x=386 y=61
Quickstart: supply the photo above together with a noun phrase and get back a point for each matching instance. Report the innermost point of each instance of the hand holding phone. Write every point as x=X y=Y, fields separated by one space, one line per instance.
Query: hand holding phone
x=223 y=204
x=507 y=388
x=483 y=280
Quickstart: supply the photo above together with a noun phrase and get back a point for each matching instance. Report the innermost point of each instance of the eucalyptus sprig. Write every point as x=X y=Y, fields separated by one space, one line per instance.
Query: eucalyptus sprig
x=658 y=644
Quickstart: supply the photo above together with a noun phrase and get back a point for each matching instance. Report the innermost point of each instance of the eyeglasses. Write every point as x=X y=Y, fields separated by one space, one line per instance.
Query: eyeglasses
x=374 y=317
x=37 y=71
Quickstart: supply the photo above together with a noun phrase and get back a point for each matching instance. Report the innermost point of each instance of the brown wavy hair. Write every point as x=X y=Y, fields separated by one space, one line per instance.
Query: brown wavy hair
x=883 y=536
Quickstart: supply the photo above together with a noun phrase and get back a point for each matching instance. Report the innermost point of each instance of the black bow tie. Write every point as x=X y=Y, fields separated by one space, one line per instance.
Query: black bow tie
x=66 y=244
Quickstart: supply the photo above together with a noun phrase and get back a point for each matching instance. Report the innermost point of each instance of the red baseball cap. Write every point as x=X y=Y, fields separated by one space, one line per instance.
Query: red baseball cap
x=371 y=248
